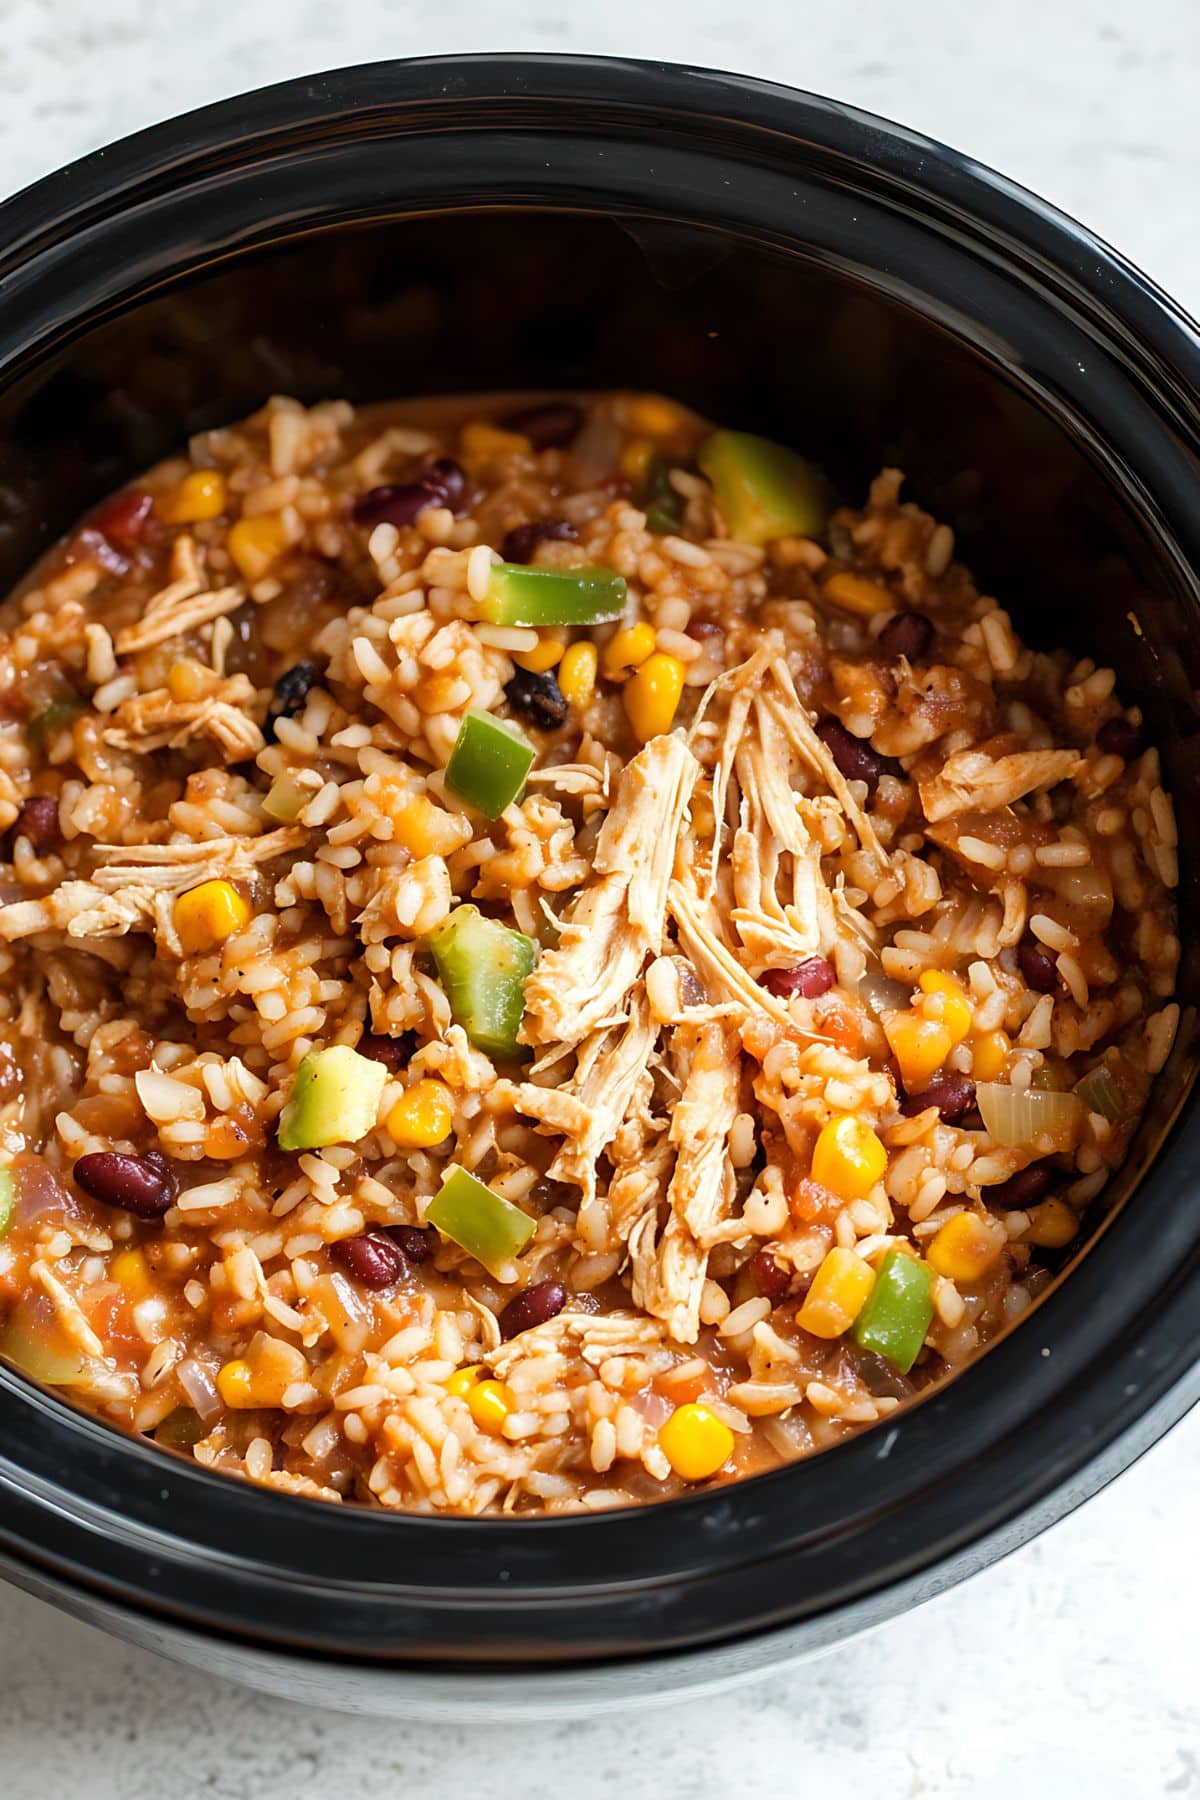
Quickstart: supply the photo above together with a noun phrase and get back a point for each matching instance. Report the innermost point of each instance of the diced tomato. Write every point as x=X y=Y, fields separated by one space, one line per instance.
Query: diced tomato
x=812 y=1204
x=839 y=1025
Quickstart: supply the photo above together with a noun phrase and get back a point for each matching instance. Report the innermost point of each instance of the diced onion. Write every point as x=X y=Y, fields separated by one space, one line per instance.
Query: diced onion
x=1028 y=1118
x=201 y=1389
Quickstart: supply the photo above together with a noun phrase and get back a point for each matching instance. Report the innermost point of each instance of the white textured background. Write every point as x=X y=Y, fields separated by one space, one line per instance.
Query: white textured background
x=1072 y=1669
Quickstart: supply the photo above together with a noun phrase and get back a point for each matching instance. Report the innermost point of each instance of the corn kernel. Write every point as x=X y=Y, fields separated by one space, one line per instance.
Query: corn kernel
x=628 y=649
x=949 y=1003
x=464 y=1379
x=652 y=695
x=838 y=1294
x=848 y=1158
x=989 y=1054
x=486 y=443
x=546 y=653
x=490 y=1403
x=188 y=679
x=131 y=1270
x=422 y=1116
x=635 y=459
x=854 y=593
x=695 y=1441
x=577 y=673
x=1053 y=1224
x=235 y=1384
x=966 y=1247
x=424 y=829
x=652 y=414
x=920 y=1046
x=206 y=915
x=200 y=495
x=255 y=544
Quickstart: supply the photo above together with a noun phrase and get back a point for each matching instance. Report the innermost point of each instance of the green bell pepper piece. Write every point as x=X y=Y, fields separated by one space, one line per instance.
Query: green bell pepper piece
x=487 y=1227
x=898 y=1312
x=764 y=491
x=518 y=595
x=44 y=1353
x=285 y=800
x=483 y=966
x=663 y=504
x=334 y=1099
x=489 y=763
x=1098 y=1091
x=181 y=1429
x=8 y=1201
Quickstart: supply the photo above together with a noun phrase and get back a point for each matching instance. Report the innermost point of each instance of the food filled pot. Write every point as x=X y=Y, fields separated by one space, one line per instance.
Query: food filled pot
x=793 y=270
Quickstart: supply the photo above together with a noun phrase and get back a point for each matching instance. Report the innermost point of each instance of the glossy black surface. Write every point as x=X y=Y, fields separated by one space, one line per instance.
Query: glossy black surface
x=782 y=263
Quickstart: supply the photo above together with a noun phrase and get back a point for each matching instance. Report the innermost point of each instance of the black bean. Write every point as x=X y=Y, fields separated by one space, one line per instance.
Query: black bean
x=413 y=1240
x=537 y=698
x=908 y=634
x=289 y=695
x=1025 y=1188
x=551 y=426
x=37 y=822
x=372 y=1258
x=145 y=1185
x=953 y=1095
x=1117 y=737
x=811 y=977
x=772 y=1276
x=544 y=1300
x=393 y=1052
x=521 y=542
x=854 y=756
x=1038 y=966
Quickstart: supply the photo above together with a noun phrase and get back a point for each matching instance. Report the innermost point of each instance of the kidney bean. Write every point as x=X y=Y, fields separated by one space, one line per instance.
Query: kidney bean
x=953 y=1095
x=123 y=519
x=854 y=756
x=413 y=1240
x=544 y=1300
x=90 y=545
x=145 y=1185
x=443 y=483
x=811 y=977
x=521 y=542
x=37 y=821
x=451 y=478
x=551 y=426
x=393 y=1052
x=289 y=695
x=908 y=634
x=772 y=1276
x=1037 y=965
x=537 y=698
x=1117 y=737
x=373 y=1259
x=1025 y=1188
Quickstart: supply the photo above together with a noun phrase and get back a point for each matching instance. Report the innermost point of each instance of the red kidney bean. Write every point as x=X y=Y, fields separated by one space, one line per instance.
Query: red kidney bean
x=393 y=1052
x=1025 y=1188
x=854 y=756
x=908 y=634
x=521 y=542
x=451 y=478
x=37 y=821
x=537 y=698
x=544 y=1300
x=812 y=977
x=124 y=518
x=772 y=1276
x=413 y=1240
x=953 y=1095
x=373 y=1259
x=551 y=426
x=145 y=1185
x=90 y=545
x=397 y=504
x=1117 y=737
x=1038 y=966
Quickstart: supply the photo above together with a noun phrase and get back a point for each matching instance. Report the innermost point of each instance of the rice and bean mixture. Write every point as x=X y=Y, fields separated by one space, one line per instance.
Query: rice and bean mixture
x=543 y=963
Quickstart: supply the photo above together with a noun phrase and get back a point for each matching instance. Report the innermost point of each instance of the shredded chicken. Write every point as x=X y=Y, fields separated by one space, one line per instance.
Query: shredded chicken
x=156 y=721
x=610 y=1069
x=596 y=1336
x=178 y=866
x=180 y=608
x=80 y=908
x=972 y=779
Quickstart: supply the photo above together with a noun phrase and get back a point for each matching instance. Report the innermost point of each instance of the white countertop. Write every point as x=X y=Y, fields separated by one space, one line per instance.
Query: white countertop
x=1070 y=1670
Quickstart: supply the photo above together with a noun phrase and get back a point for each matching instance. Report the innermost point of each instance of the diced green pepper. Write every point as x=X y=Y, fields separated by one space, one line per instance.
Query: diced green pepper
x=334 y=1100
x=45 y=1354
x=764 y=490
x=483 y=966
x=1098 y=1090
x=285 y=799
x=8 y=1201
x=487 y=1227
x=181 y=1429
x=898 y=1312
x=489 y=763
x=663 y=504
x=50 y=719
x=518 y=595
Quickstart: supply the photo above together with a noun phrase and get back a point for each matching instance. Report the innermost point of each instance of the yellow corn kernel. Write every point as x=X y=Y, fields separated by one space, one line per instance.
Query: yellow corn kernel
x=482 y=442
x=422 y=1116
x=652 y=695
x=200 y=495
x=462 y=1380
x=920 y=1046
x=854 y=593
x=545 y=654
x=206 y=915
x=989 y=1054
x=1052 y=1224
x=848 y=1158
x=695 y=1441
x=838 y=1294
x=949 y=1003
x=652 y=414
x=235 y=1384
x=188 y=679
x=577 y=673
x=490 y=1403
x=628 y=649
x=132 y=1271
x=424 y=829
x=635 y=459
x=966 y=1247
x=256 y=543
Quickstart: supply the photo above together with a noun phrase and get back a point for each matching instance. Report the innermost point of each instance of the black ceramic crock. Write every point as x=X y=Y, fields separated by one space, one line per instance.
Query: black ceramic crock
x=782 y=263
